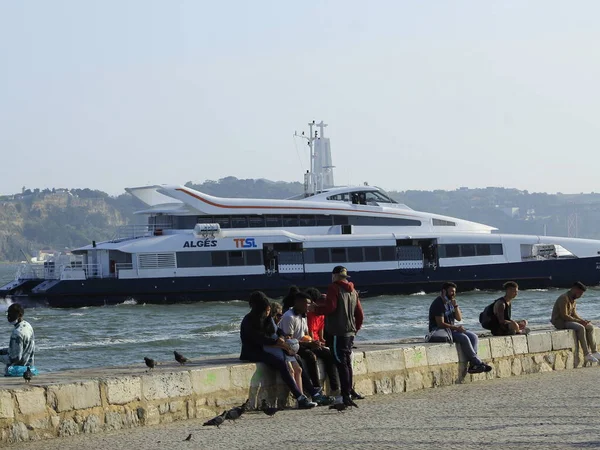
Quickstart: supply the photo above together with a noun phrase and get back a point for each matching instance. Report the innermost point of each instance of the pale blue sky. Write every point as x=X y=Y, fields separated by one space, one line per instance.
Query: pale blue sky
x=418 y=95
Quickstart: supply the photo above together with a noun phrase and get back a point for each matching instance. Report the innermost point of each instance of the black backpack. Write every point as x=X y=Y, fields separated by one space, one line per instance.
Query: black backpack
x=487 y=316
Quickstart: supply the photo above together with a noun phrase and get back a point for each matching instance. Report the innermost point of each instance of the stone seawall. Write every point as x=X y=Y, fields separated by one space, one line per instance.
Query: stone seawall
x=96 y=400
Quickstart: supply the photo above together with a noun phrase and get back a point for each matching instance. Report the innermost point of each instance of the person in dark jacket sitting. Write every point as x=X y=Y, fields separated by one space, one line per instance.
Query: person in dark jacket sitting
x=254 y=336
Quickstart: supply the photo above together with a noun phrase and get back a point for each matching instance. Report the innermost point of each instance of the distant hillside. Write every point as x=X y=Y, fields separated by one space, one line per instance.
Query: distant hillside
x=67 y=218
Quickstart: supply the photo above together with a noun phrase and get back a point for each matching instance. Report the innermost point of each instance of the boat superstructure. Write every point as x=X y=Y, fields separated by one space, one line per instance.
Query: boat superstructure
x=198 y=247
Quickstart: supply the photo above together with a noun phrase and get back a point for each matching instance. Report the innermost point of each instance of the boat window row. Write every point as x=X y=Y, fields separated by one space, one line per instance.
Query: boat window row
x=443 y=223
x=362 y=198
x=219 y=258
x=349 y=254
x=467 y=250
x=291 y=220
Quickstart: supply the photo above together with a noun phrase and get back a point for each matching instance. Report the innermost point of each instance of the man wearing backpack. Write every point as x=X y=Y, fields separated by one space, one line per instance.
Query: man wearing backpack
x=497 y=316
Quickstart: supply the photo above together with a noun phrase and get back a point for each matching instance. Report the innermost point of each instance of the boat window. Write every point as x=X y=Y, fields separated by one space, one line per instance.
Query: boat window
x=372 y=254
x=253 y=257
x=256 y=221
x=324 y=221
x=388 y=253
x=483 y=249
x=219 y=259
x=239 y=222
x=344 y=197
x=443 y=223
x=290 y=221
x=496 y=249
x=377 y=197
x=205 y=219
x=340 y=220
x=236 y=258
x=223 y=221
x=273 y=221
x=467 y=250
x=355 y=254
x=307 y=221
x=338 y=255
x=322 y=256
x=193 y=259
x=383 y=221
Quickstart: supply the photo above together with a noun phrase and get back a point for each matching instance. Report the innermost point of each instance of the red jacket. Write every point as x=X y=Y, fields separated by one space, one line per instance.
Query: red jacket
x=330 y=304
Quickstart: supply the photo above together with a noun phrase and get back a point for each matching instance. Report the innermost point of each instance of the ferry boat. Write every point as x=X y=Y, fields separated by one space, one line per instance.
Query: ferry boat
x=197 y=247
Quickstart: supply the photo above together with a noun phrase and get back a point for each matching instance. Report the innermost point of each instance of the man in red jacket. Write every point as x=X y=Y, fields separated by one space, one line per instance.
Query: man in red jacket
x=343 y=318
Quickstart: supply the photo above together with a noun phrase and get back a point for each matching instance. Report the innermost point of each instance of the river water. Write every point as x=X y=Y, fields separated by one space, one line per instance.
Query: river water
x=124 y=334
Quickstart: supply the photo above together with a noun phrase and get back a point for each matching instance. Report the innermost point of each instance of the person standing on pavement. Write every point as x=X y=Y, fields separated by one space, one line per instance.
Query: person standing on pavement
x=564 y=316
x=343 y=319
x=443 y=313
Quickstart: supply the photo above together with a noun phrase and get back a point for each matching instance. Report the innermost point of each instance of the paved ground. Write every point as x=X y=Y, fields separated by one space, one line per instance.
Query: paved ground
x=543 y=411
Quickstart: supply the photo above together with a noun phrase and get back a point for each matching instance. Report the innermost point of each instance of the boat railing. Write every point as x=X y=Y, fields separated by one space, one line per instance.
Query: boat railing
x=81 y=271
x=28 y=271
x=138 y=231
x=122 y=266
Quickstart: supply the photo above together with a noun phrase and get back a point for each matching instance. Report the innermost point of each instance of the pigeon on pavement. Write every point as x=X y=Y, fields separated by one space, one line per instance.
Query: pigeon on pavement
x=264 y=407
x=215 y=421
x=27 y=375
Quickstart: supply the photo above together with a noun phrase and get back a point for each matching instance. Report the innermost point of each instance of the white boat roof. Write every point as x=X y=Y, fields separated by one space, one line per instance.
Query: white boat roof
x=182 y=201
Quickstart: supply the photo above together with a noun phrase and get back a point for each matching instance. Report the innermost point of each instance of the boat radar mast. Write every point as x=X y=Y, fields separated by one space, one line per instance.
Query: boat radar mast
x=320 y=175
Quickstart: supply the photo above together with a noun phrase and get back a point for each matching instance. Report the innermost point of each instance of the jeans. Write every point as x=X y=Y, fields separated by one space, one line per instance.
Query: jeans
x=585 y=335
x=468 y=344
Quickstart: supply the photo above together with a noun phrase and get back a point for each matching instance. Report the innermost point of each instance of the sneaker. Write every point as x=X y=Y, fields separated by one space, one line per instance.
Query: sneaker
x=323 y=400
x=356 y=396
x=317 y=391
x=304 y=403
x=477 y=368
x=591 y=358
x=525 y=330
x=596 y=355
x=486 y=367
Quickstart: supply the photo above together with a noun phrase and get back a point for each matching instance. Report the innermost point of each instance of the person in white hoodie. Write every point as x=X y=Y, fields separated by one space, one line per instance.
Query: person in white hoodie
x=21 y=349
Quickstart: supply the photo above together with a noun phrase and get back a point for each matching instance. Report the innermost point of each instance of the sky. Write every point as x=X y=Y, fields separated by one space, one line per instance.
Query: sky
x=418 y=95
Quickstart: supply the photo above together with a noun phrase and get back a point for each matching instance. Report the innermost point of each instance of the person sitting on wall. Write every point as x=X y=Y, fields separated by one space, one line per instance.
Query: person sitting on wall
x=253 y=334
x=564 y=316
x=497 y=316
x=443 y=313
x=21 y=348
x=288 y=300
x=294 y=324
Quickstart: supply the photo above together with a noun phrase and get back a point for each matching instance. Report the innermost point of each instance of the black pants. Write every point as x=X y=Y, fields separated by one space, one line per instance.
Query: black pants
x=310 y=355
x=281 y=366
x=341 y=347
x=501 y=330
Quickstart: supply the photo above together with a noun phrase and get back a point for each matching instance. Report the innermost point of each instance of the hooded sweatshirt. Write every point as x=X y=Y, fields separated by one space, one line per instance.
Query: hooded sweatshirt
x=342 y=309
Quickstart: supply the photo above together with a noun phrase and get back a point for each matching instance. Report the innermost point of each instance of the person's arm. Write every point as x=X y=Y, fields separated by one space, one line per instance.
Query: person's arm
x=252 y=335
x=15 y=349
x=359 y=315
x=499 y=308
x=330 y=303
x=457 y=311
x=578 y=317
x=563 y=311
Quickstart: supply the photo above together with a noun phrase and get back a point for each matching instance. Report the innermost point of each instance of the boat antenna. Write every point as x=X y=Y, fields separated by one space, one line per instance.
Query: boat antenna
x=320 y=173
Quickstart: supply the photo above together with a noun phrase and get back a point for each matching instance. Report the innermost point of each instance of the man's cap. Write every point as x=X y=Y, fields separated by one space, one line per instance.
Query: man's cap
x=341 y=271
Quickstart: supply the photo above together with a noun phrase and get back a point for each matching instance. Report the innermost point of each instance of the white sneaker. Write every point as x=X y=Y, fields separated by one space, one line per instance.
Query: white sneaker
x=596 y=355
x=591 y=358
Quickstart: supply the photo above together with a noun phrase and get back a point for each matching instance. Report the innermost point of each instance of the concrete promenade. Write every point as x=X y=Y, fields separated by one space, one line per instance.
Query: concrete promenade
x=556 y=410
x=103 y=400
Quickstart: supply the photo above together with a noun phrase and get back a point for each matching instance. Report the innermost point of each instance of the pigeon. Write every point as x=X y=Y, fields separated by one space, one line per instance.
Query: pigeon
x=27 y=375
x=215 y=421
x=233 y=414
x=349 y=402
x=340 y=407
x=150 y=362
x=180 y=358
x=189 y=438
x=264 y=407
